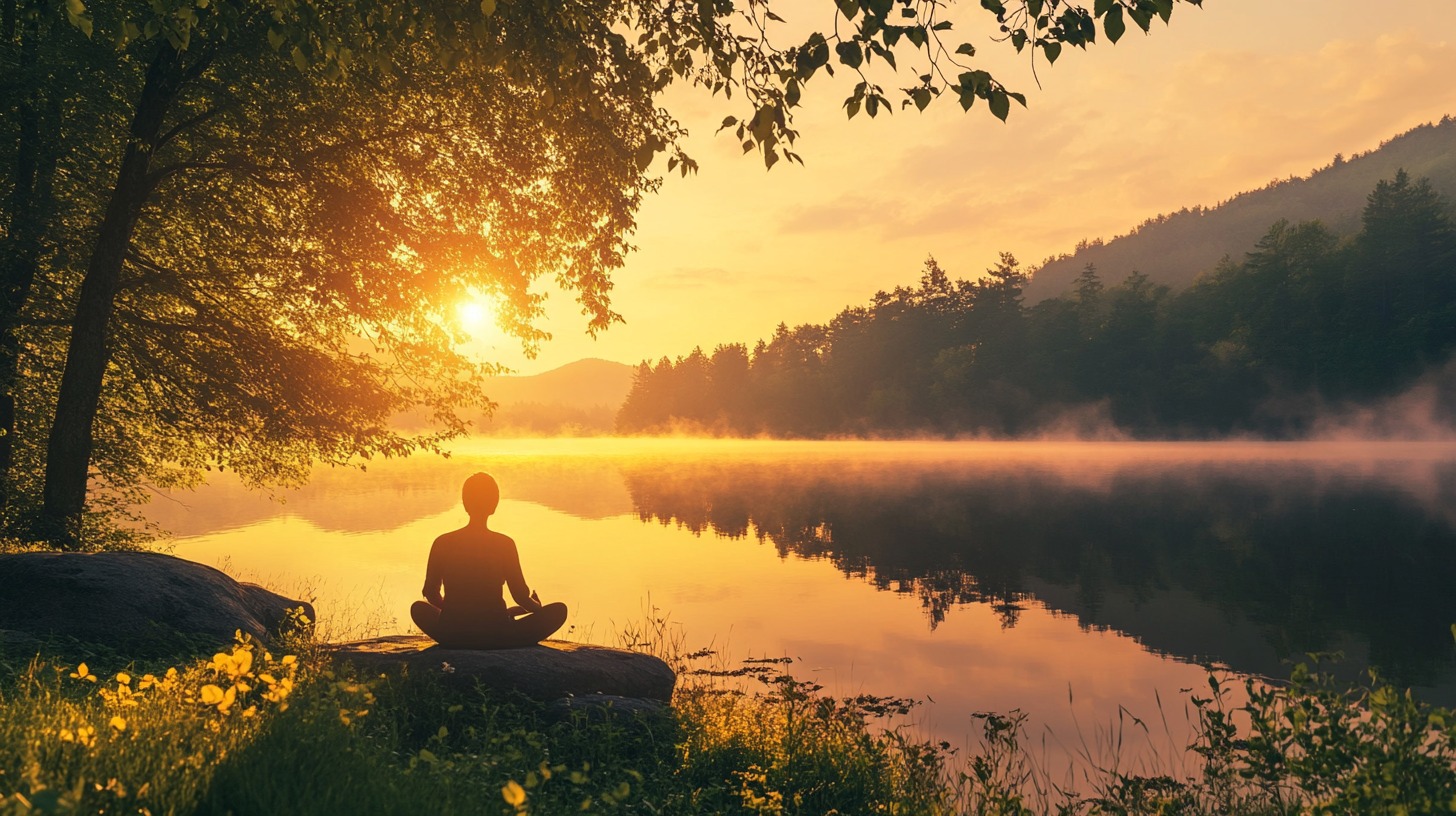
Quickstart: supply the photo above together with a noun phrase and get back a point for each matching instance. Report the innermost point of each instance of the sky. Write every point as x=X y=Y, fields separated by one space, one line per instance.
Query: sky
x=1223 y=100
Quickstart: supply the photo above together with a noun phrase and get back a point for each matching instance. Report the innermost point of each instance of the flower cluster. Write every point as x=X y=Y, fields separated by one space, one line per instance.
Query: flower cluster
x=241 y=677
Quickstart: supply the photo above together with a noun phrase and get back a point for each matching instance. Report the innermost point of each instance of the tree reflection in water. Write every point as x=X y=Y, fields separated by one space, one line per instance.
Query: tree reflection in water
x=1178 y=555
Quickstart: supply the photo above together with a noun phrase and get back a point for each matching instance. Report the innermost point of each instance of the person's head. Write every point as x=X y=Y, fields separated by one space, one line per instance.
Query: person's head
x=480 y=495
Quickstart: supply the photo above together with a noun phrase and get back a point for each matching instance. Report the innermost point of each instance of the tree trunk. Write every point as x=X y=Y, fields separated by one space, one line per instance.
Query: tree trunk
x=37 y=150
x=68 y=455
x=20 y=258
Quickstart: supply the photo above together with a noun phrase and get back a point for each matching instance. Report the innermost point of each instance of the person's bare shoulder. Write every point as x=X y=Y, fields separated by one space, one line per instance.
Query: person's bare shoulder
x=502 y=541
x=452 y=538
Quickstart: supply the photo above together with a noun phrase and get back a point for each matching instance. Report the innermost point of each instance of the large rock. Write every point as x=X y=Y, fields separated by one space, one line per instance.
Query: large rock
x=547 y=671
x=134 y=600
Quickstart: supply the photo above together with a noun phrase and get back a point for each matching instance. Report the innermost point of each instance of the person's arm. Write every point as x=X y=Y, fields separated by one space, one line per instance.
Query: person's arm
x=516 y=582
x=433 y=581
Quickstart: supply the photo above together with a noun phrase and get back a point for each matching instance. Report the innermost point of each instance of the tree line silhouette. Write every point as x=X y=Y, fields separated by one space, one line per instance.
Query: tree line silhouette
x=1254 y=345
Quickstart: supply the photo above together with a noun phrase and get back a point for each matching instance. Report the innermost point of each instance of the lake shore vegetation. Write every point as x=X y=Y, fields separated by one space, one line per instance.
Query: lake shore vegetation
x=286 y=730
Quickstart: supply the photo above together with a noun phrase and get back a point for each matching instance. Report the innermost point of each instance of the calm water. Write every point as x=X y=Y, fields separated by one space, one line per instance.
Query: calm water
x=1064 y=579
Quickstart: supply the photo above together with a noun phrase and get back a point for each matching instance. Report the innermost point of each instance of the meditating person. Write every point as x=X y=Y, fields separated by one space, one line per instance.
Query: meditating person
x=463 y=606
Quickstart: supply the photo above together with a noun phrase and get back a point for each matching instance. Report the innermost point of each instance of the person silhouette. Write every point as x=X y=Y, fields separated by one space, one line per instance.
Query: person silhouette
x=463 y=606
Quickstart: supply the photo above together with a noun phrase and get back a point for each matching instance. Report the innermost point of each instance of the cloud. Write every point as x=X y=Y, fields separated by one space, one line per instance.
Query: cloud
x=700 y=277
x=840 y=215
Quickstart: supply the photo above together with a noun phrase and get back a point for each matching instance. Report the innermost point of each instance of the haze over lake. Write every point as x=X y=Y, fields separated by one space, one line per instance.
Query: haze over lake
x=1066 y=579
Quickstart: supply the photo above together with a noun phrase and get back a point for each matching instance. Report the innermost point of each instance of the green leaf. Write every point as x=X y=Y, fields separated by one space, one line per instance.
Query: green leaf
x=1141 y=16
x=943 y=25
x=299 y=60
x=1019 y=97
x=1113 y=24
x=977 y=81
x=1018 y=39
x=646 y=152
x=1033 y=7
x=967 y=97
x=967 y=49
x=916 y=35
x=850 y=54
x=849 y=8
x=994 y=6
x=728 y=122
x=921 y=97
x=275 y=39
x=1101 y=7
x=791 y=93
x=1053 y=50
x=487 y=7
x=812 y=55
x=1000 y=105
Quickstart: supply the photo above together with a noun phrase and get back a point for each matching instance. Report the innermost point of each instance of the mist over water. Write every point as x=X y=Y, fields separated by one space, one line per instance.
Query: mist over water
x=985 y=575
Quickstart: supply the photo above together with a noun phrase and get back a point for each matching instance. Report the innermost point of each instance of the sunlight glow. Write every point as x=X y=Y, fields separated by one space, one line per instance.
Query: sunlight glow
x=479 y=318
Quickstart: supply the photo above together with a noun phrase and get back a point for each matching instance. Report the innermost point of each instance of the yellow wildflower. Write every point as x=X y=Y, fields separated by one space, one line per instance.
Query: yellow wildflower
x=513 y=793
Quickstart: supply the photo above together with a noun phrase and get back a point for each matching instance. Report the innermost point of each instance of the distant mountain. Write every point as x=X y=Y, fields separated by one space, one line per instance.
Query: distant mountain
x=582 y=384
x=1175 y=248
x=577 y=398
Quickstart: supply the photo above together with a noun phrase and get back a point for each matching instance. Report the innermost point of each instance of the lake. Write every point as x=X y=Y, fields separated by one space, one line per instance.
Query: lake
x=1076 y=581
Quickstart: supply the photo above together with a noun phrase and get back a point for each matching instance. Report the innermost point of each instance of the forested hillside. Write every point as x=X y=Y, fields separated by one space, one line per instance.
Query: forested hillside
x=578 y=398
x=1256 y=345
x=1174 y=248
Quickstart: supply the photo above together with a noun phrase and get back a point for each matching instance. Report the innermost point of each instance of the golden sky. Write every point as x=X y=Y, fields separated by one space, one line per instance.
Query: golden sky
x=1223 y=100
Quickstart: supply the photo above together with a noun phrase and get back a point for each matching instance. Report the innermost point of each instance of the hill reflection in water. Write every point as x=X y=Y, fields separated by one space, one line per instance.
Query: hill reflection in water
x=1237 y=559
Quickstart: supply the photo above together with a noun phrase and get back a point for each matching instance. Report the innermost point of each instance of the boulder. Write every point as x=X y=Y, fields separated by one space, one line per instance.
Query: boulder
x=547 y=671
x=140 y=601
x=604 y=707
x=18 y=642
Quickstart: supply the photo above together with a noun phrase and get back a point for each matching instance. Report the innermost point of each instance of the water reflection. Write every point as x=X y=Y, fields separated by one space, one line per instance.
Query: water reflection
x=1247 y=562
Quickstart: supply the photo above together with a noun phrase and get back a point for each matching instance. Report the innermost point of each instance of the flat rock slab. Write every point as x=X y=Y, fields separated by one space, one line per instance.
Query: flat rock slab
x=547 y=671
x=134 y=600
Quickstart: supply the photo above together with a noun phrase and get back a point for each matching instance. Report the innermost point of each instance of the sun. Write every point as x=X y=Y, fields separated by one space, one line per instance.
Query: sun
x=479 y=318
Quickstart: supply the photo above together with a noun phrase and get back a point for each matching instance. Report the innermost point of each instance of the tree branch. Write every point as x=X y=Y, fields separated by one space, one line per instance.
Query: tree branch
x=189 y=122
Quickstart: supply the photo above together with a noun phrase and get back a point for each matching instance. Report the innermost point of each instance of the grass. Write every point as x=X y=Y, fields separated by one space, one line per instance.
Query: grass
x=254 y=731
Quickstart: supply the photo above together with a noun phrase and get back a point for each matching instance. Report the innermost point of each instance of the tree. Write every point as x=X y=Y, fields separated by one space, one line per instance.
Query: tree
x=357 y=208
x=1404 y=256
x=183 y=83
